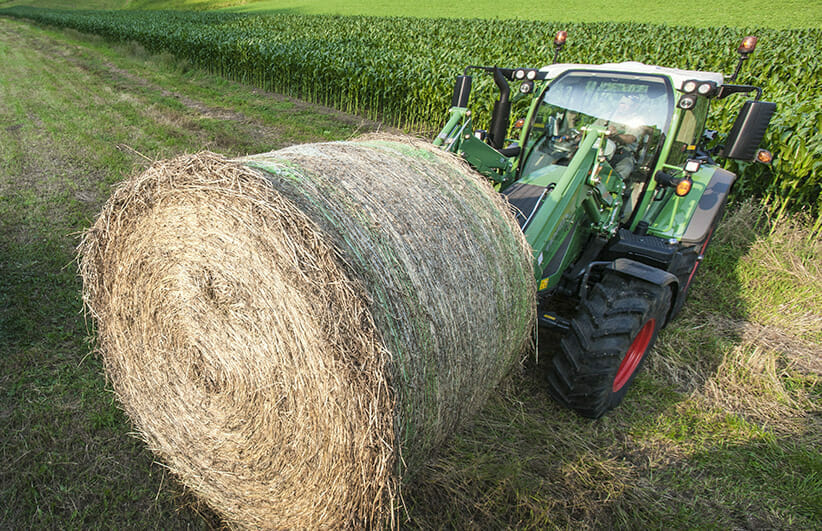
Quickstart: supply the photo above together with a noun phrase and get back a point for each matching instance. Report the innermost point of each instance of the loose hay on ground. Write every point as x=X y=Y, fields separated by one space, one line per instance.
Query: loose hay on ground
x=294 y=333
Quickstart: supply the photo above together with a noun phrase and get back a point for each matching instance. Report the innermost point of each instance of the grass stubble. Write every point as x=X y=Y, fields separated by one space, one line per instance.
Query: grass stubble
x=721 y=430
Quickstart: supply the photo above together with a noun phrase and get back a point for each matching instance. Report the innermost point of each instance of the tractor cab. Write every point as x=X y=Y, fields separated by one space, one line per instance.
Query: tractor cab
x=627 y=114
x=605 y=151
x=589 y=102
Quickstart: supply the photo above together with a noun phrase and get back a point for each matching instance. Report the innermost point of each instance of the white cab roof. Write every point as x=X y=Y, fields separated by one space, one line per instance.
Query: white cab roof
x=677 y=76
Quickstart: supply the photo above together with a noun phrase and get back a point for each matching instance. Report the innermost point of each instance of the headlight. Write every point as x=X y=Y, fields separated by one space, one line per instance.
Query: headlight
x=689 y=86
x=686 y=102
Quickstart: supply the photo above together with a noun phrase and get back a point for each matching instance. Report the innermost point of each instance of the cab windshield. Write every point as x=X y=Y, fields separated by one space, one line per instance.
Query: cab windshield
x=640 y=104
x=603 y=95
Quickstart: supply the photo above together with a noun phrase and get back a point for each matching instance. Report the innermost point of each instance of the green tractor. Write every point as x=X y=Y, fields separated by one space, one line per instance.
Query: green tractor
x=617 y=192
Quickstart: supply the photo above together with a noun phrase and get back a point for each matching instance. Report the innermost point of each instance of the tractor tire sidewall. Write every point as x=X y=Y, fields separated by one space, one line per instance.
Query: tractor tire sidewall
x=581 y=374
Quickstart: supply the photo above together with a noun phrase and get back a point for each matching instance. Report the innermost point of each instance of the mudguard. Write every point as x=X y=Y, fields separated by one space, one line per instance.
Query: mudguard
x=710 y=206
x=689 y=219
x=653 y=275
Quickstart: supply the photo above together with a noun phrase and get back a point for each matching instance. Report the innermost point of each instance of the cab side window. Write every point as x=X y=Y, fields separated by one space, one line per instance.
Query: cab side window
x=688 y=132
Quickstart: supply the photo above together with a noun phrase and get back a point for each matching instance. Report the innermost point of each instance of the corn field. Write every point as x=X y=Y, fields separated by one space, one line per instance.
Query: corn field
x=401 y=70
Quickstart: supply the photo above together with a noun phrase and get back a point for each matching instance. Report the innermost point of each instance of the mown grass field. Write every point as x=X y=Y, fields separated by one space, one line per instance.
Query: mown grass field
x=724 y=429
x=75 y=118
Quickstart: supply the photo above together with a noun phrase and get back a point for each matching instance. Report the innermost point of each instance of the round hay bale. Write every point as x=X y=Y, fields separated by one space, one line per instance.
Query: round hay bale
x=294 y=332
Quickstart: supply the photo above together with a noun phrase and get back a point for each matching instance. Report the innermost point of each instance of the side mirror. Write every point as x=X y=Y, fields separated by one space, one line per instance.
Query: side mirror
x=748 y=130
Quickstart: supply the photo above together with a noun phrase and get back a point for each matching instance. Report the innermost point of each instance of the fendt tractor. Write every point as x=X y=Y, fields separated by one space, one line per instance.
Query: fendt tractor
x=614 y=183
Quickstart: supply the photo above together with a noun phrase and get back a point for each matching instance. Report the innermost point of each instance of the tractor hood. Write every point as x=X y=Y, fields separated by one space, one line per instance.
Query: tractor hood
x=677 y=76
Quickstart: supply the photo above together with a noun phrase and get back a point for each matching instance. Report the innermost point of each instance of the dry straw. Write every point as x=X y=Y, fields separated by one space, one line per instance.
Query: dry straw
x=295 y=332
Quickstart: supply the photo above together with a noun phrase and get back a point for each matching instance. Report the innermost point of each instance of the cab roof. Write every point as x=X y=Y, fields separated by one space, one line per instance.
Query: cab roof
x=633 y=67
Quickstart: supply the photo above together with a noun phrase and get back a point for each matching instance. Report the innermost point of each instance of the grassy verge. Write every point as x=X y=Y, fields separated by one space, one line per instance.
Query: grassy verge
x=722 y=430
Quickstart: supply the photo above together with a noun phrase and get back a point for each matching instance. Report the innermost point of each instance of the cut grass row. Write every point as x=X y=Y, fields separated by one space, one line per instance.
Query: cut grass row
x=722 y=430
x=376 y=67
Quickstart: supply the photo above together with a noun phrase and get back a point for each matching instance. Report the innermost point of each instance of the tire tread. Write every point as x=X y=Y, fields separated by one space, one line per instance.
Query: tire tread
x=582 y=371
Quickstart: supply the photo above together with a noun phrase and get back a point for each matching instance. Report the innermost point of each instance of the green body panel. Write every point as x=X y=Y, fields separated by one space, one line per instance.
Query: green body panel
x=564 y=200
x=676 y=213
x=559 y=255
x=484 y=158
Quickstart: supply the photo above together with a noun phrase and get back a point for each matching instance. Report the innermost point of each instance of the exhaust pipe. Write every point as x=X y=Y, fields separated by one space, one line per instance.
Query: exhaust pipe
x=502 y=112
x=462 y=90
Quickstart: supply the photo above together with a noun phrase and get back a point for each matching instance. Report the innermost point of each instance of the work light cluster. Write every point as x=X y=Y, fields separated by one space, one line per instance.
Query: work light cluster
x=693 y=88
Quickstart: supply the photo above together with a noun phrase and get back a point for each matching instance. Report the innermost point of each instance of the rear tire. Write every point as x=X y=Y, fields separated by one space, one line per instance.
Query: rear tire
x=613 y=331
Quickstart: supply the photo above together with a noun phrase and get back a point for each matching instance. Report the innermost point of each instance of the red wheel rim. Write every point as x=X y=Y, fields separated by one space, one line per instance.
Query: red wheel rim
x=634 y=355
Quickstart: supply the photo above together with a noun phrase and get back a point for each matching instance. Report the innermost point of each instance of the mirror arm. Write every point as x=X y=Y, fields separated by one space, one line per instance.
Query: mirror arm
x=727 y=90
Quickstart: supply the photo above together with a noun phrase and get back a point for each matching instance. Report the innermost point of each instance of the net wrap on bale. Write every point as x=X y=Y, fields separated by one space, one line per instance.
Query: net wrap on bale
x=293 y=333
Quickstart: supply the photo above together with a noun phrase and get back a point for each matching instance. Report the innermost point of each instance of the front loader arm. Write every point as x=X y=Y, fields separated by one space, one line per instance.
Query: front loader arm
x=458 y=137
x=450 y=137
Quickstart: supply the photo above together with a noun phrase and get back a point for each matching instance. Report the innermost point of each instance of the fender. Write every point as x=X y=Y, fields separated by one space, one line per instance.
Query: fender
x=654 y=275
x=711 y=205
x=623 y=266
x=688 y=219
